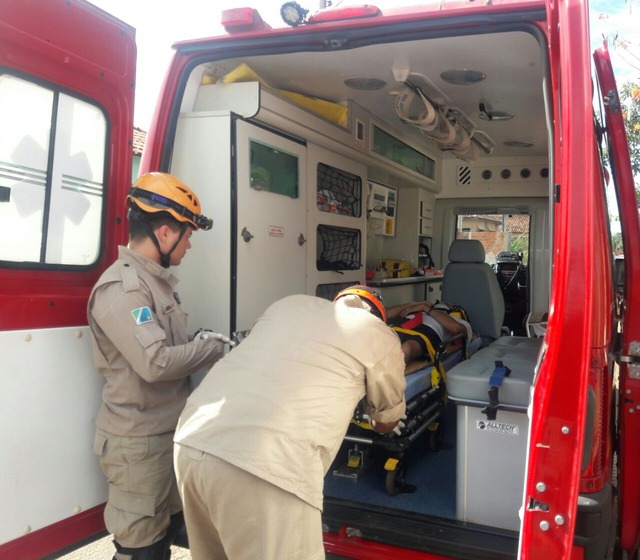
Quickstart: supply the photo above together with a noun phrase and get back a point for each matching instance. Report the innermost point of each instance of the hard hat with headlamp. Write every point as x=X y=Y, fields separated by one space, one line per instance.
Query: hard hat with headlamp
x=372 y=297
x=162 y=192
x=155 y=193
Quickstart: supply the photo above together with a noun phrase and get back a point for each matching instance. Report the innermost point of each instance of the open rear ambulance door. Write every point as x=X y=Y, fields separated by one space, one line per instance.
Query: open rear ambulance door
x=629 y=358
x=559 y=398
x=67 y=75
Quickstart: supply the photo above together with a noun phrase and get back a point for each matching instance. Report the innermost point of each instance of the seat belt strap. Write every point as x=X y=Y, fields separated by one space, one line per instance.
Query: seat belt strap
x=495 y=381
x=435 y=380
x=413 y=322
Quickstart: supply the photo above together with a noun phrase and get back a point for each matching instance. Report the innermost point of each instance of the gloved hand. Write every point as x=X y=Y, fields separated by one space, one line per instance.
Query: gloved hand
x=398 y=429
x=203 y=334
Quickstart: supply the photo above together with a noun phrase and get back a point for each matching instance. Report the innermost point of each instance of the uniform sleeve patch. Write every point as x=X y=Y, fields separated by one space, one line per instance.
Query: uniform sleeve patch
x=142 y=315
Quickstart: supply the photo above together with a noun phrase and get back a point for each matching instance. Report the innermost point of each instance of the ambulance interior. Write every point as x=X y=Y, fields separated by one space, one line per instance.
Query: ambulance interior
x=395 y=148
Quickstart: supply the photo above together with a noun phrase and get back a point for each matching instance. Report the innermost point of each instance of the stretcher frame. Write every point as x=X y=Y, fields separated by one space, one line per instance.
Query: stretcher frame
x=424 y=412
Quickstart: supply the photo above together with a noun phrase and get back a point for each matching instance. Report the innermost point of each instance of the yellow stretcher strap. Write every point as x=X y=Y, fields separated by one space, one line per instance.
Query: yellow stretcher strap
x=365 y=424
x=437 y=374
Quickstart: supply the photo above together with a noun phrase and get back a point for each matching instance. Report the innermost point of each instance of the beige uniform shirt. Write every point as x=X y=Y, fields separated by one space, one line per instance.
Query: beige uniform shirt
x=279 y=404
x=140 y=345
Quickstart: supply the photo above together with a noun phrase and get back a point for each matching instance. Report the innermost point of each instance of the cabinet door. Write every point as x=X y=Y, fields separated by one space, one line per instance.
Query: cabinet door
x=336 y=221
x=271 y=228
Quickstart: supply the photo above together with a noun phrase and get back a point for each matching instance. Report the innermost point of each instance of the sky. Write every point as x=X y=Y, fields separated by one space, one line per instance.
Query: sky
x=160 y=23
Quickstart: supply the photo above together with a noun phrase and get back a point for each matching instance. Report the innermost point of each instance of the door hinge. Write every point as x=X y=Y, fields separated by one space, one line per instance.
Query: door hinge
x=632 y=359
x=612 y=101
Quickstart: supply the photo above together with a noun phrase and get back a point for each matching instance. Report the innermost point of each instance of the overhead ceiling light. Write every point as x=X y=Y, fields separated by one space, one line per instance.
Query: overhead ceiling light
x=365 y=84
x=518 y=144
x=462 y=77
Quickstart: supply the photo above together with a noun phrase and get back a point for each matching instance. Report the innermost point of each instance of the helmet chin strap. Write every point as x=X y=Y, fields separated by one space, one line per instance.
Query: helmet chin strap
x=165 y=258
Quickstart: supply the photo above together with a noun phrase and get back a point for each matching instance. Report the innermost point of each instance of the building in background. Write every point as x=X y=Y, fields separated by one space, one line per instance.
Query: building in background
x=139 y=137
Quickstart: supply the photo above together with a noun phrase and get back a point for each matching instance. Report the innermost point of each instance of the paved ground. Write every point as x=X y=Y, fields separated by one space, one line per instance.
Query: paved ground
x=102 y=549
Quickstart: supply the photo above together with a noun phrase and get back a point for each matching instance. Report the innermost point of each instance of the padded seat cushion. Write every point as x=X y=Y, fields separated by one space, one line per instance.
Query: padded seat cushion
x=468 y=381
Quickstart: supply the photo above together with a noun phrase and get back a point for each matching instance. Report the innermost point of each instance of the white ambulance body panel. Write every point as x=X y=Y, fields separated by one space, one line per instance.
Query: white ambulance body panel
x=48 y=469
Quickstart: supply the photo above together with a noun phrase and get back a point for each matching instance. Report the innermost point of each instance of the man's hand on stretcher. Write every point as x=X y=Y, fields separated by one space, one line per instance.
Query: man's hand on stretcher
x=386 y=427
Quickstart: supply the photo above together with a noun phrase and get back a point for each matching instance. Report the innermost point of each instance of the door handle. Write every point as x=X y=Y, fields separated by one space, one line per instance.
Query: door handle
x=246 y=235
x=301 y=240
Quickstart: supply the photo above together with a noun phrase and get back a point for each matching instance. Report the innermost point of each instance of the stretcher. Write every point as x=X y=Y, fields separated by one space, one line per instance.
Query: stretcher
x=426 y=397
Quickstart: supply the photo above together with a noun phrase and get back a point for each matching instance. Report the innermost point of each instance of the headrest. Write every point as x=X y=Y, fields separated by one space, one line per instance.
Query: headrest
x=466 y=251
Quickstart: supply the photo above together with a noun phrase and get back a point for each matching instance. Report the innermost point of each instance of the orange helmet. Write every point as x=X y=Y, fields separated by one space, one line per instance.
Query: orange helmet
x=374 y=298
x=161 y=192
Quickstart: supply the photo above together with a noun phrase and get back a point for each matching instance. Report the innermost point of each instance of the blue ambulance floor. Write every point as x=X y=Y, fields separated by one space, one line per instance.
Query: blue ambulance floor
x=432 y=472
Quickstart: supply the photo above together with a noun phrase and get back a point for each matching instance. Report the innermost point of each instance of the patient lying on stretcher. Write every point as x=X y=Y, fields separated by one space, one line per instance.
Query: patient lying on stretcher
x=423 y=327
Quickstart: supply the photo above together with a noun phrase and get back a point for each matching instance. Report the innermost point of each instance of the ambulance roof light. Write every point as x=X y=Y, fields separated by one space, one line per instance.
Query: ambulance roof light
x=237 y=20
x=293 y=14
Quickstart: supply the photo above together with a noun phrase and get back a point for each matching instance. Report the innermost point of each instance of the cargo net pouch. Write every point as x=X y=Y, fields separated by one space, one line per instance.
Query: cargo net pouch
x=339 y=192
x=338 y=248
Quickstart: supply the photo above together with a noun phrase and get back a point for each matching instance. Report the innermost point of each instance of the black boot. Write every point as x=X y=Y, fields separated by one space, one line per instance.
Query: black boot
x=177 y=531
x=160 y=550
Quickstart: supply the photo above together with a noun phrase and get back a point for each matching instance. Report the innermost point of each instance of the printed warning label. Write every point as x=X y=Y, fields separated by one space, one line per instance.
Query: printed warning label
x=497 y=427
x=276 y=231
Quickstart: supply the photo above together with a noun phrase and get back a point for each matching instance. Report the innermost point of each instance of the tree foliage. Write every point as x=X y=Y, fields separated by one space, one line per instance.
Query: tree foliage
x=630 y=100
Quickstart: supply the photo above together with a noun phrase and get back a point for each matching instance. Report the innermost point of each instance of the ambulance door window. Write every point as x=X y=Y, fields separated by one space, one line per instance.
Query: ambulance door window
x=52 y=158
x=505 y=238
x=273 y=170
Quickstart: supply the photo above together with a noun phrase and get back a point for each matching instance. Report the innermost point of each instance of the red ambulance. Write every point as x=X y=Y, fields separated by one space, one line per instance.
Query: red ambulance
x=322 y=148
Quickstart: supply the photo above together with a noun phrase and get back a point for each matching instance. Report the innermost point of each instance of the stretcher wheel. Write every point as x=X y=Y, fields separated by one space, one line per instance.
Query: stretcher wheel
x=434 y=433
x=394 y=482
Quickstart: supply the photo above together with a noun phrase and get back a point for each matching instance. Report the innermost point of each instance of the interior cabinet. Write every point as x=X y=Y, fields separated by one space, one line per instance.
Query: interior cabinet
x=425 y=220
x=271 y=220
x=336 y=222
x=414 y=226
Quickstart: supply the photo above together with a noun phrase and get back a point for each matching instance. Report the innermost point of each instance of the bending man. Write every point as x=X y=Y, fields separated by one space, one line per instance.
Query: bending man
x=258 y=435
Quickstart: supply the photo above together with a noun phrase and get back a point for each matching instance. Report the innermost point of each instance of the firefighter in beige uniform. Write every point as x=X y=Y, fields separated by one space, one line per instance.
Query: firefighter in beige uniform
x=141 y=346
x=258 y=435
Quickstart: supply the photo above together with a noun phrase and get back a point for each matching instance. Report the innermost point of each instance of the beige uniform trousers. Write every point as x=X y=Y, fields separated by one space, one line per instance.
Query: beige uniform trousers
x=142 y=486
x=234 y=515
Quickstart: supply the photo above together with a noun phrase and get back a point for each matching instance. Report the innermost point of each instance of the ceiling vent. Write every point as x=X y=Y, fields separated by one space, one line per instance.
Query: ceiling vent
x=464 y=175
x=513 y=174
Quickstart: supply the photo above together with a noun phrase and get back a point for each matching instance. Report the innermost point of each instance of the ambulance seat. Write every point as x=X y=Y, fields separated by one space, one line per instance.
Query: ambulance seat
x=471 y=283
